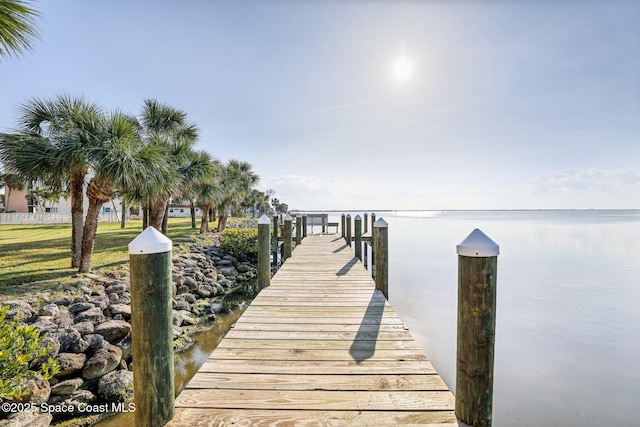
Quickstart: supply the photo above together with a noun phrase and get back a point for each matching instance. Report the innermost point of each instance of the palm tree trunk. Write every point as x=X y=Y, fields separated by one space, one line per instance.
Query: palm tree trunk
x=165 y=219
x=7 y=197
x=76 y=186
x=123 y=218
x=156 y=213
x=204 y=224
x=192 y=207
x=89 y=235
x=99 y=192
x=145 y=216
x=222 y=221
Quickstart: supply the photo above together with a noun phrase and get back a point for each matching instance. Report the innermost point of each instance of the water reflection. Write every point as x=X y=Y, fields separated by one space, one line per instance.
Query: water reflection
x=568 y=320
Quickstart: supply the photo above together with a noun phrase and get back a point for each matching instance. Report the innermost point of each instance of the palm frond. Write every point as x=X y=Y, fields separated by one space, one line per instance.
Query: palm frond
x=17 y=27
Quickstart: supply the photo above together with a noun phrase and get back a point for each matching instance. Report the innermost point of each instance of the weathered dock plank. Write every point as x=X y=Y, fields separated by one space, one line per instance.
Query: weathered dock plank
x=320 y=346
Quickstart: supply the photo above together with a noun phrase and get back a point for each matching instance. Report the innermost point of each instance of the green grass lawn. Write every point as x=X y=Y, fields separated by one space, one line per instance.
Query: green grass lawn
x=37 y=258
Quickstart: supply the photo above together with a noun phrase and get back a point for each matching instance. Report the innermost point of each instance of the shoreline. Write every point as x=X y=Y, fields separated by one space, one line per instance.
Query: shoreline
x=89 y=328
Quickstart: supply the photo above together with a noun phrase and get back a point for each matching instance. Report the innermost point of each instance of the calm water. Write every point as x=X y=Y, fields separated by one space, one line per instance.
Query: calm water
x=568 y=310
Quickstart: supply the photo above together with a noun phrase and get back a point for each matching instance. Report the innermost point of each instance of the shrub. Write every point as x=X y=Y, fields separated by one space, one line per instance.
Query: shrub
x=19 y=350
x=242 y=243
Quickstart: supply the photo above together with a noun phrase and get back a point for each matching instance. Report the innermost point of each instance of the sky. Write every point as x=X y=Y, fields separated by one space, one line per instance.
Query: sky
x=507 y=105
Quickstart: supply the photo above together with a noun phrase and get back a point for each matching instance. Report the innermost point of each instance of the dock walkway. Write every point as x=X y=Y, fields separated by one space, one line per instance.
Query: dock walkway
x=320 y=346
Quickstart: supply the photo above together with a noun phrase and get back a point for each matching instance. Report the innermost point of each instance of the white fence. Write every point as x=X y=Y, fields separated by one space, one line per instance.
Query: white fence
x=48 y=218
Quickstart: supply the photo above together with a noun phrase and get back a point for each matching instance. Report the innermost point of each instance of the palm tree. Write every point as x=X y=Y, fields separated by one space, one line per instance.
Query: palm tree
x=206 y=190
x=267 y=195
x=120 y=161
x=237 y=178
x=17 y=27
x=167 y=128
x=11 y=181
x=198 y=168
x=52 y=145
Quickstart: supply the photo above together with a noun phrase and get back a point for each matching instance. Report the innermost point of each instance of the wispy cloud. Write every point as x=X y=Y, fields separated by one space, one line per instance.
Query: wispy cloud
x=626 y=179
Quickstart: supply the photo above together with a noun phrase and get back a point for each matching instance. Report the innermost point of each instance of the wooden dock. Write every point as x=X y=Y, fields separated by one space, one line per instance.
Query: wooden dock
x=320 y=346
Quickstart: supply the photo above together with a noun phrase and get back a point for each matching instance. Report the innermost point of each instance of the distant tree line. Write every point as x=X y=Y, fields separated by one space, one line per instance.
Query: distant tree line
x=146 y=161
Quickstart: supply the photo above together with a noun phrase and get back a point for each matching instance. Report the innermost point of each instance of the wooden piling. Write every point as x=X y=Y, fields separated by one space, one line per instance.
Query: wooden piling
x=287 y=237
x=477 y=269
x=381 y=245
x=152 y=328
x=304 y=226
x=298 y=229
x=348 y=229
x=344 y=231
x=373 y=253
x=264 y=268
x=275 y=243
x=358 y=237
x=365 y=223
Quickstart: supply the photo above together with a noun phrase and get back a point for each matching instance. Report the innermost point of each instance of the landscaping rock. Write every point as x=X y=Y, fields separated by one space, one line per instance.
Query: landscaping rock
x=70 y=363
x=49 y=310
x=105 y=360
x=183 y=342
x=70 y=340
x=84 y=328
x=123 y=309
x=20 y=311
x=43 y=324
x=27 y=419
x=79 y=307
x=116 y=386
x=94 y=315
x=177 y=331
x=117 y=288
x=64 y=319
x=244 y=267
x=113 y=330
x=64 y=301
x=181 y=304
x=100 y=301
x=203 y=293
x=190 y=298
x=96 y=342
x=66 y=388
x=38 y=390
x=201 y=307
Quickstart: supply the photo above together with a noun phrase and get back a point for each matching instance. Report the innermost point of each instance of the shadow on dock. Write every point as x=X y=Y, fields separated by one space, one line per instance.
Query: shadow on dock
x=348 y=266
x=364 y=344
x=341 y=248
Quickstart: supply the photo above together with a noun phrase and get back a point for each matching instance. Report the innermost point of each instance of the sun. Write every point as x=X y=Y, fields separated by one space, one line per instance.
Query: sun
x=402 y=69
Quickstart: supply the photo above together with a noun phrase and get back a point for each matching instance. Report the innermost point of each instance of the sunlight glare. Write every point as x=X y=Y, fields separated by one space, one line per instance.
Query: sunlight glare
x=403 y=69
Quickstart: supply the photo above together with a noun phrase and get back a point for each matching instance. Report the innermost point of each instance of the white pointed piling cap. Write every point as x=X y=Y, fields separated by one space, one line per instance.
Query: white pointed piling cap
x=150 y=241
x=287 y=217
x=264 y=220
x=358 y=218
x=348 y=215
x=477 y=245
x=381 y=223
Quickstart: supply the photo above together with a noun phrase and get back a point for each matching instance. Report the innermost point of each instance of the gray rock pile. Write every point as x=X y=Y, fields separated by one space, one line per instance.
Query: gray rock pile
x=90 y=331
